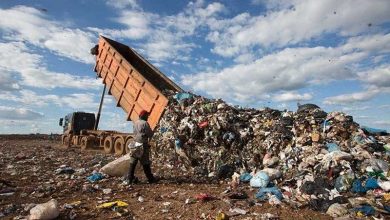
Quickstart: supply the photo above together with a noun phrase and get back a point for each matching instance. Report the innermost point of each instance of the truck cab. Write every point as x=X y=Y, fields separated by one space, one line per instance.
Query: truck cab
x=74 y=122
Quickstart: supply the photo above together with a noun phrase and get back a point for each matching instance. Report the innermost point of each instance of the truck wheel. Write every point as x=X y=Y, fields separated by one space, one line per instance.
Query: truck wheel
x=86 y=142
x=108 y=145
x=128 y=141
x=76 y=140
x=67 y=141
x=63 y=139
x=119 y=146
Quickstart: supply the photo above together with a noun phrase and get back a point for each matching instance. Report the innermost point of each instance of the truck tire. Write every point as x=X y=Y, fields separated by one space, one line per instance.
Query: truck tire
x=119 y=146
x=63 y=139
x=67 y=141
x=86 y=142
x=76 y=140
x=108 y=145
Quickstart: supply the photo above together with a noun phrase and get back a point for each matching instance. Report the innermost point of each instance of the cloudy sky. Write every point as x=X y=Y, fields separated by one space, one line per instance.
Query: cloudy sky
x=253 y=53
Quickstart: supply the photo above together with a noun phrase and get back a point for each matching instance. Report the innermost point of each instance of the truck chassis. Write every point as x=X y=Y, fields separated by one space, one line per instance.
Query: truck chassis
x=110 y=141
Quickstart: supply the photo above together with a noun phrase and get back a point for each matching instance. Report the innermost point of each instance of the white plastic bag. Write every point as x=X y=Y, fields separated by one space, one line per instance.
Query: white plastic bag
x=118 y=167
x=337 y=210
x=260 y=179
x=45 y=211
x=385 y=185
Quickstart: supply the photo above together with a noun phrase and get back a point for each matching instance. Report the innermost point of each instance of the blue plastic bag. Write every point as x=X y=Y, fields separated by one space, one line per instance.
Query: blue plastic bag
x=372 y=183
x=366 y=210
x=245 y=177
x=178 y=144
x=95 y=177
x=357 y=187
x=262 y=194
x=182 y=96
x=332 y=147
x=260 y=179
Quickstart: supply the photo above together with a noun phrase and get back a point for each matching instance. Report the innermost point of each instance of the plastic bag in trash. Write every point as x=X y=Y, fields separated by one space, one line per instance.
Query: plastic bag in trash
x=46 y=211
x=385 y=185
x=357 y=187
x=182 y=96
x=367 y=210
x=332 y=147
x=118 y=167
x=337 y=210
x=371 y=183
x=95 y=177
x=379 y=165
x=245 y=177
x=344 y=182
x=264 y=193
x=260 y=179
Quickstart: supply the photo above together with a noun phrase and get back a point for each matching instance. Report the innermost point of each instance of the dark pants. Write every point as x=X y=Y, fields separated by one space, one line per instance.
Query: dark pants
x=141 y=153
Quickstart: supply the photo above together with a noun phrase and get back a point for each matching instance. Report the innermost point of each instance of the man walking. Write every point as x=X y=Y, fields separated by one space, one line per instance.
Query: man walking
x=140 y=150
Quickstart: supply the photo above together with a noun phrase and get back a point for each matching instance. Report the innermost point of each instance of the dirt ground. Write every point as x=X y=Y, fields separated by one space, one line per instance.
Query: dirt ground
x=30 y=167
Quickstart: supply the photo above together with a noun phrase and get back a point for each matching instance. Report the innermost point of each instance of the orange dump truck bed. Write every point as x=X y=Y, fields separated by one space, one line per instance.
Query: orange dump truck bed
x=134 y=82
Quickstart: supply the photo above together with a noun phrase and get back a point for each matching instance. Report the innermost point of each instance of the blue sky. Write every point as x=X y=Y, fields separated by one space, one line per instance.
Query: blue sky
x=253 y=53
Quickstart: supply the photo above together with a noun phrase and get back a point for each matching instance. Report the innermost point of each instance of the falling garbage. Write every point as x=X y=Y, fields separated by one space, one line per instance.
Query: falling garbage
x=296 y=155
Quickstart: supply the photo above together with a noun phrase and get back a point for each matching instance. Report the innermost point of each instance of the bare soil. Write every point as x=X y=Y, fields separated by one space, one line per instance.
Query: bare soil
x=29 y=166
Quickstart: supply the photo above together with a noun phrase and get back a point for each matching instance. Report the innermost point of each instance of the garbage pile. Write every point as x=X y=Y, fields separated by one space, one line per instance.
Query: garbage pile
x=309 y=157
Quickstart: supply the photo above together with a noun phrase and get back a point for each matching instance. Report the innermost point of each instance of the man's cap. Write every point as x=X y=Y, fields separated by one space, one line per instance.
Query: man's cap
x=143 y=113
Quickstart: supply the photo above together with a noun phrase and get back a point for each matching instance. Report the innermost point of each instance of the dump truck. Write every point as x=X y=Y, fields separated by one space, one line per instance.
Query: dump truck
x=134 y=83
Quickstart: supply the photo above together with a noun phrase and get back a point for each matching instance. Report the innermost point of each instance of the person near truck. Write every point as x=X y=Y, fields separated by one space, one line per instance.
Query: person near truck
x=140 y=149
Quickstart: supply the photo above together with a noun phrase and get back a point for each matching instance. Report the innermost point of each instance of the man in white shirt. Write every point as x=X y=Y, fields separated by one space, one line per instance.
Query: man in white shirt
x=141 y=148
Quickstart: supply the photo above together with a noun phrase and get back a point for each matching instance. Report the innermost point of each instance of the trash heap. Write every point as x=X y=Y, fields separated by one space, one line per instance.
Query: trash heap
x=308 y=157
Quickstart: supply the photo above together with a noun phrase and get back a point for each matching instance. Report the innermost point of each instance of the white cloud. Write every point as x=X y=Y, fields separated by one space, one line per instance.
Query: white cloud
x=274 y=5
x=163 y=35
x=75 y=101
x=123 y=3
x=363 y=117
x=289 y=69
x=378 y=77
x=17 y=58
x=8 y=82
x=292 y=96
x=11 y=113
x=355 y=108
x=137 y=25
x=375 y=42
x=115 y=121
x=299 y=22
x=245 y=58
x=22 y=23
x=376 y=81
x=351 y=97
